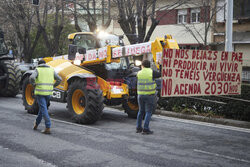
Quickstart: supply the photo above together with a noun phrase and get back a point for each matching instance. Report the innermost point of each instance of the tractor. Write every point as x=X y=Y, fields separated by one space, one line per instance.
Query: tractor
x=93 y=76
x=10 y=74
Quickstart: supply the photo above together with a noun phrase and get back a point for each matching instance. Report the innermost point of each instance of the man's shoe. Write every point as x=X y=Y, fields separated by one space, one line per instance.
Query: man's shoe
x=138 y=130
x=35 y=126
x=147 y=132
x=46 y=131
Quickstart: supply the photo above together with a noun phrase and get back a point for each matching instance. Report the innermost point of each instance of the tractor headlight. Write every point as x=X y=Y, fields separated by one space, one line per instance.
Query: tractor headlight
x=77 y=62
x=137 y=62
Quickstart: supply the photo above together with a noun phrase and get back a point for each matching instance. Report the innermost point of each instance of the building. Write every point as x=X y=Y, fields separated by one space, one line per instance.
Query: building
x=241 y=28
x=186 y=22
x=241 y=31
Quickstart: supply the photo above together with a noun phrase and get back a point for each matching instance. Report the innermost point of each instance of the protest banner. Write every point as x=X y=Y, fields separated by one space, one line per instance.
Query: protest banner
x=91 y=55
x=132 y=50
x=200 y=72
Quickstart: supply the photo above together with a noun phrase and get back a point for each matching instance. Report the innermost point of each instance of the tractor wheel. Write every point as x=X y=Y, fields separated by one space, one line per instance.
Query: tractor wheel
x=85 y=102
x=29 y=100
x=10 y=76
x=131 y=108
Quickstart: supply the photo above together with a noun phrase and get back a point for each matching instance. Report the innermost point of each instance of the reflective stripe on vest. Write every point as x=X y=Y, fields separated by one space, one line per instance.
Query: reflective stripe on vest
x=44 y=81
x=145 y=83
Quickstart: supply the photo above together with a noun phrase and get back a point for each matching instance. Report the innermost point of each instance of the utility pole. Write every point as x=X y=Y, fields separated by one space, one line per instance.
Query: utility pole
x=229 y=26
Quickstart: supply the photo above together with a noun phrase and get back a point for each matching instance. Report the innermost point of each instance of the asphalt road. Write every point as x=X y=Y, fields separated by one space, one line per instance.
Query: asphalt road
x=112 y=141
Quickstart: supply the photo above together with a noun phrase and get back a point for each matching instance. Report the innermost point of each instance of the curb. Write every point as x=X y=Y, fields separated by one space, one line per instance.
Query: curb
x=229 y=122
x=222 y=121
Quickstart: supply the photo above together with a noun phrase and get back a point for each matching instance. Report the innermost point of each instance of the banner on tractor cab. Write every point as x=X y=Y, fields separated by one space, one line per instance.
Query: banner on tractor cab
x=136 y=49
x=200 y=73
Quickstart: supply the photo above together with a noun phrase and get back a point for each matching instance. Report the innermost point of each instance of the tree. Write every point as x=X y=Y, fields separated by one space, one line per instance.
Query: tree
x=18 y=16
x=201 y=33
x=41 y=49
x=57 y=8
x=134 y=15
x=92 y=12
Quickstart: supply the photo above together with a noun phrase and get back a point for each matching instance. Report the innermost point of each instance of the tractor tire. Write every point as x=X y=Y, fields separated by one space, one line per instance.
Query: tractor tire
x=85 y=102
x=10 y=86
x=29 y=100
x=131 y=108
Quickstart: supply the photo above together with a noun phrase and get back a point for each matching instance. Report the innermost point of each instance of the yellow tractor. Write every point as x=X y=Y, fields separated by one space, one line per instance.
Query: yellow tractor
x=97 y=70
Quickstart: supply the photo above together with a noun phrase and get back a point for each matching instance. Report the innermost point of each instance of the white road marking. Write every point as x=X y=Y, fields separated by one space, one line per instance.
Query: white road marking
x=71 y=123
x=74 y=124
x=221 y=155
x=205 y=124
x=227 y=127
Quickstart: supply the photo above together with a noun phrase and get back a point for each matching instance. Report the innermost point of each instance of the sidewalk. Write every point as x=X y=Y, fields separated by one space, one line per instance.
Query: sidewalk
x=230 y=122
x=222 y=121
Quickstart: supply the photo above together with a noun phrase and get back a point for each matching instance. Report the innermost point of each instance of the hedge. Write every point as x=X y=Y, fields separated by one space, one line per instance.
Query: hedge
x=231 y=107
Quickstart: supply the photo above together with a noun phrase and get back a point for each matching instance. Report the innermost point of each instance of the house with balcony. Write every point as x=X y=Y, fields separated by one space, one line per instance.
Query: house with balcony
x=187 y=23
x=241 y=31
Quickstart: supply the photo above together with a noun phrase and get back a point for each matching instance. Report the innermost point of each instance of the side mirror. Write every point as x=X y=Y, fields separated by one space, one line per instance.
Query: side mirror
x=82 y=50
x=72 y=52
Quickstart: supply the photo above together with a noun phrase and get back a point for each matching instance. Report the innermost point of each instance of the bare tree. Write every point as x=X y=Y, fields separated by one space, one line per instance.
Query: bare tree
x=200 y=34
x=133 y=17
x=19 y=16
x=91 y=11
x=55 y=9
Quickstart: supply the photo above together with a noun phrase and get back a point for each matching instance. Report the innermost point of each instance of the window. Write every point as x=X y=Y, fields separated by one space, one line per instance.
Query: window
x=182 y=16
x=241 y=9
x=221 y=10
x=86 y=41
x=195 y=15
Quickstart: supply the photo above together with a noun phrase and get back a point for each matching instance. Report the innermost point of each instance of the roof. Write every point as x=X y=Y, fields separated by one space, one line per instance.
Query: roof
x=72 y=35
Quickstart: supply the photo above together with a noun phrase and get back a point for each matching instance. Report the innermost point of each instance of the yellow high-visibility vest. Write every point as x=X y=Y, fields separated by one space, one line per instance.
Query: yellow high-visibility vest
x=44 y=81
x=145 y=83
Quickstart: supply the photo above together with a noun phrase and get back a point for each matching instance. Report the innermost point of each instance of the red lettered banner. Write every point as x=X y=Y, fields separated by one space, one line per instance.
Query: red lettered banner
x=200 y=73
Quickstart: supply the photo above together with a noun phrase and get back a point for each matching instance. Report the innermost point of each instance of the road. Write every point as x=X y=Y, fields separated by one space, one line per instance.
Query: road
x=112 y=141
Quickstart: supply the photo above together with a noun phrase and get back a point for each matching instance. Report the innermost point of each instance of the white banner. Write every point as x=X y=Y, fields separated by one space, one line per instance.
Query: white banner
x=136 y=49
x=201 y=73
x=117 y=52
x=102 y=53
x=91 y=55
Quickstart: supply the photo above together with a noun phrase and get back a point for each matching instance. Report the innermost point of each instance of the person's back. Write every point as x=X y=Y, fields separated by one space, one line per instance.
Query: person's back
x=43 y=78
x=146 y=97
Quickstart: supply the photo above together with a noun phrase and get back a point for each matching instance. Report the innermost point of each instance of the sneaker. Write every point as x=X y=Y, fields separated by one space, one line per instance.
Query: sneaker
x=147 y=132
x=35 y=126
x=138 y=130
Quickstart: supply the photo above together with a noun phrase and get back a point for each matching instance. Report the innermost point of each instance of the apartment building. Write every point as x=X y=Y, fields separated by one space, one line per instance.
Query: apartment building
x=241 y=28
x=185 y=22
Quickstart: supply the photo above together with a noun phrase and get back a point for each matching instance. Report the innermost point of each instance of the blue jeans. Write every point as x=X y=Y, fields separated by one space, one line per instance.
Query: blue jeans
x=43 y=110
x=146 y=107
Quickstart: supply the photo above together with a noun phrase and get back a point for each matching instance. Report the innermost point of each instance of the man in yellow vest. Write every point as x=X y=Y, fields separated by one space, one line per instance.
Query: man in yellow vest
x=43 y=78
x=146 y=96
